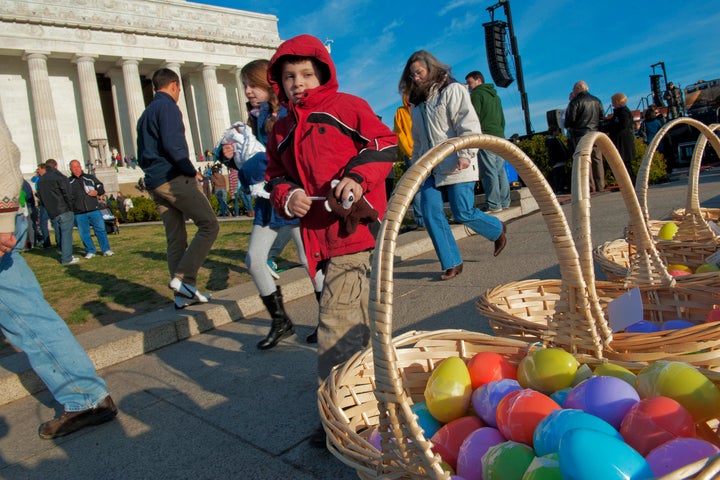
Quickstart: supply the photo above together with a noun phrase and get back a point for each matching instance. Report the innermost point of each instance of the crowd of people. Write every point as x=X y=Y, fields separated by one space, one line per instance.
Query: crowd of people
x=309 y=164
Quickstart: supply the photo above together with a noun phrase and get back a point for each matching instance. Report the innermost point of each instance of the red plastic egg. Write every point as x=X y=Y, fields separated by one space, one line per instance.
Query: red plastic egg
x=486 y=367
x=447 y=440
x=654 y=421
x=519 y=413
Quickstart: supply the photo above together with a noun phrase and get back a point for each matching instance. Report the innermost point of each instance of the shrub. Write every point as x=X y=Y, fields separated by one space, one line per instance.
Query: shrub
x=144 y=210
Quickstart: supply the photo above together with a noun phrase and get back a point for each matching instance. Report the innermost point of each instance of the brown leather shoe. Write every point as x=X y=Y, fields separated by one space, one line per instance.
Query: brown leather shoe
x=500 y=242
x=70 y=422
x=452 y=272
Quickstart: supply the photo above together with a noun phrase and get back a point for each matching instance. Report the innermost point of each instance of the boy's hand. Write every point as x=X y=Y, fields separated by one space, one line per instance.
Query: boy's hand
x=347 y=186
x=299 y=203
x=7 y=242
x=463 y=163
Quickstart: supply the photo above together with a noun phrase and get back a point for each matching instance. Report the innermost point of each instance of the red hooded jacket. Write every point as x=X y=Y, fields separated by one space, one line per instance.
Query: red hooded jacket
x=326 y=136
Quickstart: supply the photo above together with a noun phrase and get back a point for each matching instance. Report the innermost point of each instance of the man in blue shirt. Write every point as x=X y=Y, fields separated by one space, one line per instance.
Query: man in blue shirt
x=172 y=182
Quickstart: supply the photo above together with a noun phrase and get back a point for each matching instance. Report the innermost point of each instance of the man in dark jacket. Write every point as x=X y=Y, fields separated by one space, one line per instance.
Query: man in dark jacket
x=54 y=193
x=584 y=115
x=492 y=121
x=85 y=190
x=172 y=182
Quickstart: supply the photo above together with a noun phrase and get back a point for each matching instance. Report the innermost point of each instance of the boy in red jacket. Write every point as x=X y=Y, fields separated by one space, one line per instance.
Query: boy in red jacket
x=327 y=136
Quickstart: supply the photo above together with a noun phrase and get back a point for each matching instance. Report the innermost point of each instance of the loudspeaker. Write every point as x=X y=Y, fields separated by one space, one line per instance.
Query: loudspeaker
x=554 y=118
x=496 y=50
x=656 y=90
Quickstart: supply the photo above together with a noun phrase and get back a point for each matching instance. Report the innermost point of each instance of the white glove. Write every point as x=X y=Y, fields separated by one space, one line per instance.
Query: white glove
x=258 y=190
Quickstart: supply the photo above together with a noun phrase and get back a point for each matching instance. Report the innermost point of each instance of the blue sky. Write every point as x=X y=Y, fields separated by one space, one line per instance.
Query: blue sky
x=608 y=43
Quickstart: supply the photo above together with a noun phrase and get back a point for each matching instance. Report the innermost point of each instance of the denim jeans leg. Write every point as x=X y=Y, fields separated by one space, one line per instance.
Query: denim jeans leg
x=44 y=229
x=65 y=222
x=98 y=225
x=437 y=225
x=494 y=180
x=461 y=198
x=82 y=220
x=30 y=323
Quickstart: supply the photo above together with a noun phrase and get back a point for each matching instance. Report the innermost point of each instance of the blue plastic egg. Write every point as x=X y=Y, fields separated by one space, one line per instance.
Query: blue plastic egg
x=591 y=455
x=560 y=395
x=643 y=326
x=677 y=324
x=427 y=422
x=609 y=398
x=552 y=428
x=485 y=399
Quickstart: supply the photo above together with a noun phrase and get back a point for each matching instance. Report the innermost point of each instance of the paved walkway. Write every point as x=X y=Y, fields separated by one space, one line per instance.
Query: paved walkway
x=198 y=400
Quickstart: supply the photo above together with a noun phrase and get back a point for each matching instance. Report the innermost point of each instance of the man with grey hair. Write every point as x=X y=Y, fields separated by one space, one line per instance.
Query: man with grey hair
x=584 y=114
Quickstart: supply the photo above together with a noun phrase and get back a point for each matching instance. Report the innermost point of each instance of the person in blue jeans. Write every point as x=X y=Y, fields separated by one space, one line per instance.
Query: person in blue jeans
x=442 y=110
x=85 y=190
x=30 y=323
x=242 y=194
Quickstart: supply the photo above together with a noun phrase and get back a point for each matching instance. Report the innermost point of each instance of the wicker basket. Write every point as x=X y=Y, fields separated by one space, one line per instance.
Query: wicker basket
x=694 y=241
x=528 y=310
x=377 y=387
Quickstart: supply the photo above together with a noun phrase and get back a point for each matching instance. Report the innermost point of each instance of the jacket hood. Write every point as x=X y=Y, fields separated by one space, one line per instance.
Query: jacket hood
x=489 y=87
x=301 y=46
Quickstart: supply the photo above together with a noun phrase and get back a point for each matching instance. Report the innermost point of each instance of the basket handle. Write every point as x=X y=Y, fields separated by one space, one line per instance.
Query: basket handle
x=694 y=227
x=572 y=309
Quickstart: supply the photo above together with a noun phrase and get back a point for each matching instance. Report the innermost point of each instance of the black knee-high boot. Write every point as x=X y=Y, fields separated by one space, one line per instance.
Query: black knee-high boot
x=312 y=338
x=281 y=326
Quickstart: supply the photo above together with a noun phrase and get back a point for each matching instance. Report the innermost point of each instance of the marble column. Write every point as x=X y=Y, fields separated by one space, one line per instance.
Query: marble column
x=48 y=133
x=116 y=88
x=92 y=108
x=182 y=105
x=212 y=93
x=242 y=99
x=133 y=91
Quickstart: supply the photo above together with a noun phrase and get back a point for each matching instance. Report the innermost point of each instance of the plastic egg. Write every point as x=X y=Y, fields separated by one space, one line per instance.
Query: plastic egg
x=677 y=453
x=667 y=231
x=609 y=398
x=679 y=273
x=560 y=396
x=678 y=266
x=551 y=429
x=486 y=367
x=654 y=421
x=447 y=440
x=591 y=455
x=486 y=398
x=682 y=382
x=469 y=465
x=520 y=412
x=547 y=370
x=643 y=326
x=546 y=467
x=506 y=460
x=677 y=324
x=448 y=390
x=427 y=422
x=611 y=370
x=707 y=267
x=713 y=315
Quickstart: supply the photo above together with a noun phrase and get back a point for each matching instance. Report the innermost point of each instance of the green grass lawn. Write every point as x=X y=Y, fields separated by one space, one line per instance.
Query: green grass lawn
x=104 y=290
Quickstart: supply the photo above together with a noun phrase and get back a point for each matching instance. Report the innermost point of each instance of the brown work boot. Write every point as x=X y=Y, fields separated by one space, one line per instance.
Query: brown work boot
x=70 y=422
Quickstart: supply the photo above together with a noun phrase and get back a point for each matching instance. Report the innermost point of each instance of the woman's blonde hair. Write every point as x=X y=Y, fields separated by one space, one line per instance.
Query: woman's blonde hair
x=620 y=99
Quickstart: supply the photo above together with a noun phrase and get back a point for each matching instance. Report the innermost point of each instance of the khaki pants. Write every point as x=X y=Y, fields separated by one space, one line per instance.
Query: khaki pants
x=177 y=199
x=344 y=323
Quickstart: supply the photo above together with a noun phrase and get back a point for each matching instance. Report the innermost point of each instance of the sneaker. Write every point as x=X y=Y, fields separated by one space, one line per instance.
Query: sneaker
x=73 y=261
x=89 y=255
x=108 y=253
x=182 y=302
x=70 y=422
x=188 y=291
x=272 y=266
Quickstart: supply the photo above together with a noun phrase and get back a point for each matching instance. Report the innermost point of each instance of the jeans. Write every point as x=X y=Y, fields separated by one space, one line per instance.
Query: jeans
x=176 y=199
x=63 y=225
x=94 y=219
x=461 y=197
x=242 y=194
x=44 y=229
x=261 y=240
x=221 y=196
x=30 y=323
x=494 y=180
x=416 y=203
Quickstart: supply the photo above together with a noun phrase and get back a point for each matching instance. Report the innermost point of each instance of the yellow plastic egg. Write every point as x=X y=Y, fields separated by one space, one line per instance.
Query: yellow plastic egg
x=668 y=231
x=448 y=390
